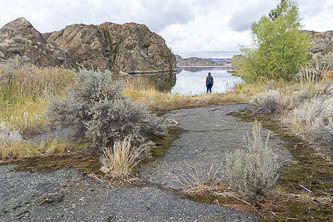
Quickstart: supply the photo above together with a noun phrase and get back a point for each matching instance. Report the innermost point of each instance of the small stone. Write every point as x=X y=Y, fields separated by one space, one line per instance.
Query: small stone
x=55 y=197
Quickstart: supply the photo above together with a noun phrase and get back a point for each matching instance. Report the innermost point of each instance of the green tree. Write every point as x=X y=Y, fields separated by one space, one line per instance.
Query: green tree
x=279 y=47
x=282 y=8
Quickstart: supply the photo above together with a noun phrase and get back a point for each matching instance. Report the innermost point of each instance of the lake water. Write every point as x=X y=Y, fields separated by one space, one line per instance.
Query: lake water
x=192 y=81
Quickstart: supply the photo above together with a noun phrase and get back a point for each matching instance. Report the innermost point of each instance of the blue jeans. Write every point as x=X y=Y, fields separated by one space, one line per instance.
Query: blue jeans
x=209 y=87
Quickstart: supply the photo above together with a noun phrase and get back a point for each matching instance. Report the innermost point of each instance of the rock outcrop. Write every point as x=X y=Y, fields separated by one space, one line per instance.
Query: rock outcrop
x=19 y=37
x=322 y=42
x=129 y=48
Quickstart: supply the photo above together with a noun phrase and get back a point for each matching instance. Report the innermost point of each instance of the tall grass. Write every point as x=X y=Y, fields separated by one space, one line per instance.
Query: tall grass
x=23 y=149
x=25 y=91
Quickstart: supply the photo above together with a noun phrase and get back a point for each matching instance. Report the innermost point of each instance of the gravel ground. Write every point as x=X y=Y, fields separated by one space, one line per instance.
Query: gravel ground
x=209 y=134
x=67 y=195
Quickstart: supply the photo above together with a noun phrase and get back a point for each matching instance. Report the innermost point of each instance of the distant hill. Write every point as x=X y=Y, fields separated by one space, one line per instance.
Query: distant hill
x=195 y=61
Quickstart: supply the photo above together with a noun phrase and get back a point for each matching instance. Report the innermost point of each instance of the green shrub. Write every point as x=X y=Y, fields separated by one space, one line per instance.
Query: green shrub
x=253 y=170
x=96 y=106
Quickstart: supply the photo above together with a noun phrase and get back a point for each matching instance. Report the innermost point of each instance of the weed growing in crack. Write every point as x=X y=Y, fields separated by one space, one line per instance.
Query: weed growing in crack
x=200 y=180
x=120 y=160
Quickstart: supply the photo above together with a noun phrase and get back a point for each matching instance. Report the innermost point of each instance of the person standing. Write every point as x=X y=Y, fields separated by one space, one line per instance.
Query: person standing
x=209 y=82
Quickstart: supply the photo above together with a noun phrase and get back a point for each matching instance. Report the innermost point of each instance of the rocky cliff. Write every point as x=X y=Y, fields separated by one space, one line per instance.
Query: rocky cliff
x=322 y=42
x=129 y=48
x=19 y=37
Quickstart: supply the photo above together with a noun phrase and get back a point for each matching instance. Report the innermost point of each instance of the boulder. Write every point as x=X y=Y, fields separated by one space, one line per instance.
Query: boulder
x=129 y=48
x=19 y=37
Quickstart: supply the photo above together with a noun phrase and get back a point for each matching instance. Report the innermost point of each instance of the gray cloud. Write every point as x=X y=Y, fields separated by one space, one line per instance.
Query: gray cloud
x=54 y=15
x=250 y=12
x=159 y=15
x=186 y=25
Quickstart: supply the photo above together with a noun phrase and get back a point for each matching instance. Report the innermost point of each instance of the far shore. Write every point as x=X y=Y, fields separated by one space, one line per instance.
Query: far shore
x=203 y=66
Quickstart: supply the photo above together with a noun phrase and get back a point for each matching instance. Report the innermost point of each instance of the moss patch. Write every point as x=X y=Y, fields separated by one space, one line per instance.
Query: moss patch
x=210 y=198
x=88 y=163
x=84 y=163
x=298 y=211
x=162 y=144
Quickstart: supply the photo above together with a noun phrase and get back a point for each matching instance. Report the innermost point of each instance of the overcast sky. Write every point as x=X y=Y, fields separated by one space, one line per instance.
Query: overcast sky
x=187 y=25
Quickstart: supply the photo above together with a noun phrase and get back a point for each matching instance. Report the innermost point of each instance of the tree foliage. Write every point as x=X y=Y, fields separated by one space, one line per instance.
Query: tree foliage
x=282 y=8
x=279 y=47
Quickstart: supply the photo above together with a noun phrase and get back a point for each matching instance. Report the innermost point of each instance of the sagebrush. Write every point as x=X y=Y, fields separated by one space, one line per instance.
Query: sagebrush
x=267 y=102
x=254 y=170
x=313 y=120
x=97 y=107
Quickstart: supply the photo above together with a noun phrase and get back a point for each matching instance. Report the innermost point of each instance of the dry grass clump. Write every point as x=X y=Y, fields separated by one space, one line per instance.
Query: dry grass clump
x=254 y=170
x=311 y=79
x=120 y=160
x=200 y=180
